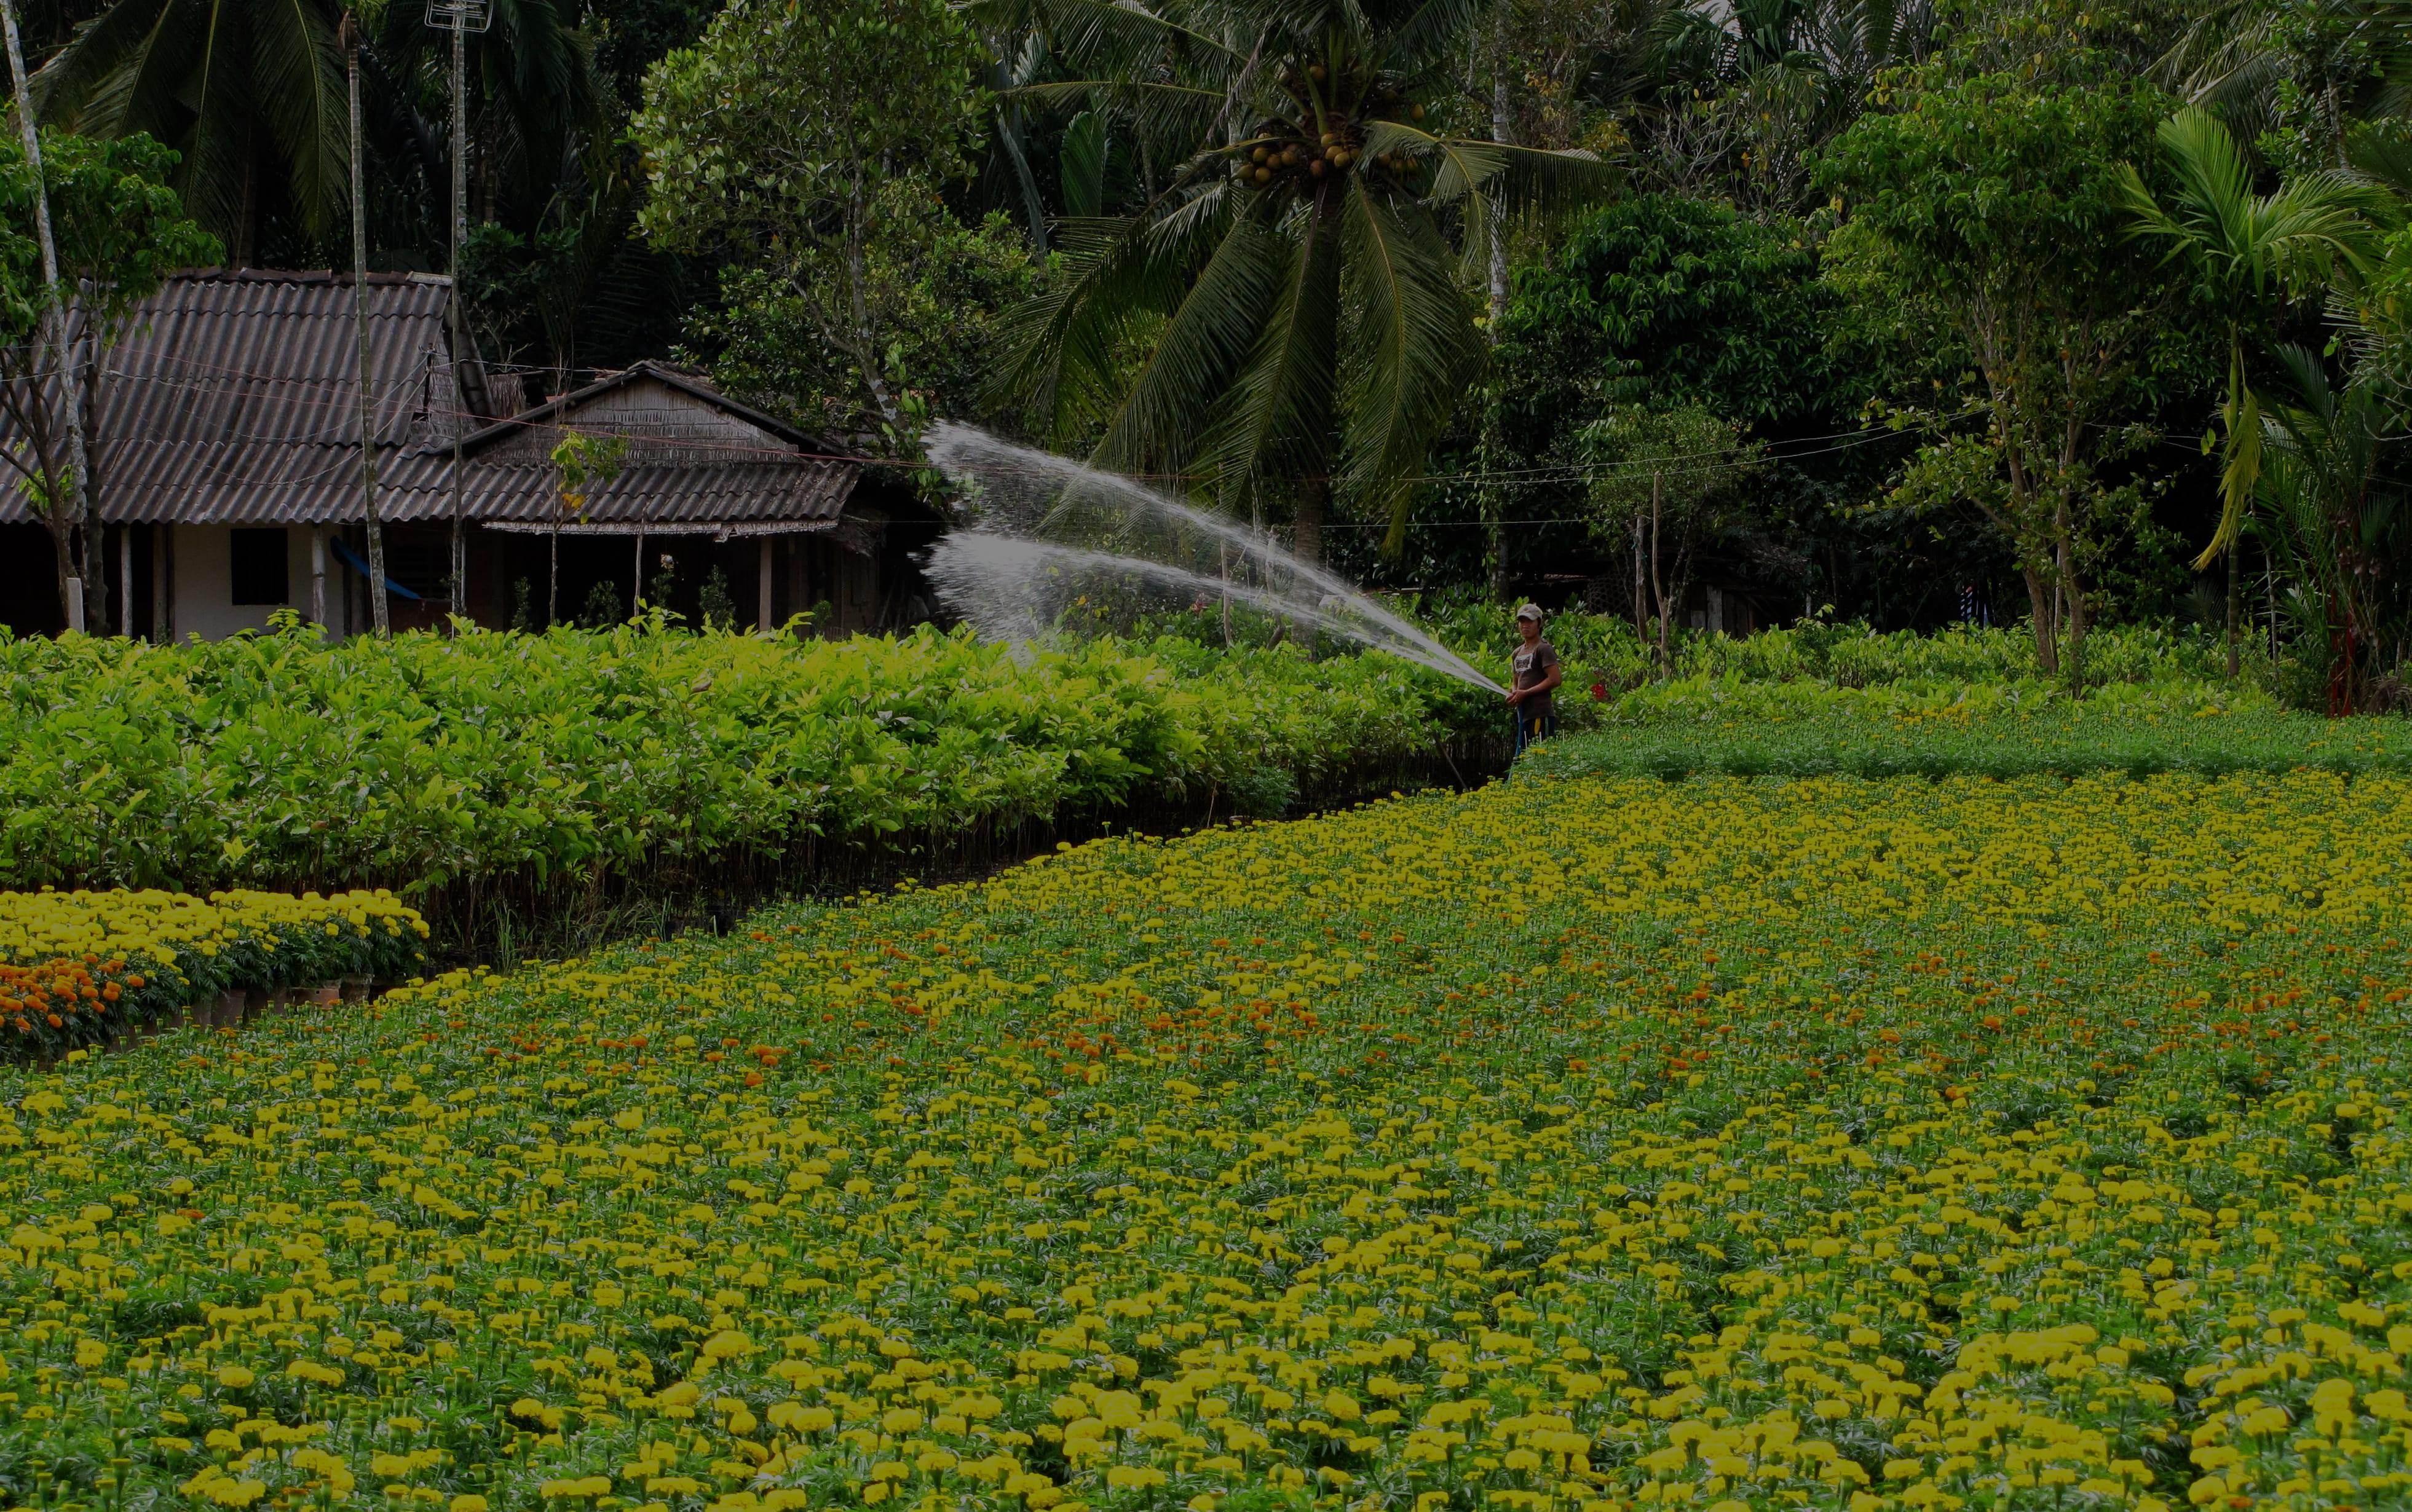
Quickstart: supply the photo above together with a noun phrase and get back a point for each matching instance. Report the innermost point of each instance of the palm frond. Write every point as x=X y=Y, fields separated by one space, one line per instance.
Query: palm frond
x=1011 y=126
x=104 y=81
x=297 y=87
x=217 y=149
x=1124 y=40
x=2215 y=181
x=2240 y=473
x=2228 y=58
x=1062 y=346
x=2384 y=157
x=1174 y=117
x=1526 y=181
x=1204 y=344
x=1411 y=354
x=2253 y=245
x=1428 y=31
x=1490 y=182
x=1277 y=419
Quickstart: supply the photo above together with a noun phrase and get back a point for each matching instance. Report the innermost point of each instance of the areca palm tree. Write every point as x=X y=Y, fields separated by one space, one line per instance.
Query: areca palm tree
x=2339 y=519
x=2248 y=252
x=1287 y=312
x=2341 y=61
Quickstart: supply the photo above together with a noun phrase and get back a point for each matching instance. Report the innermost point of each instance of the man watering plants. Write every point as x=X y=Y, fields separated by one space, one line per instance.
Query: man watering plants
x=1533 y=673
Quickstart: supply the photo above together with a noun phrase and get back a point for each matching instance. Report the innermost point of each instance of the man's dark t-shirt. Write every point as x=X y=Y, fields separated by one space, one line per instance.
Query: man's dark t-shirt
x=1532 y=664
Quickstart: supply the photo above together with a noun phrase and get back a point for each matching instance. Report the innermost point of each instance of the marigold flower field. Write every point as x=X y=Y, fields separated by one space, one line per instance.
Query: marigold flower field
x=1596 y=1143
x=82 y=968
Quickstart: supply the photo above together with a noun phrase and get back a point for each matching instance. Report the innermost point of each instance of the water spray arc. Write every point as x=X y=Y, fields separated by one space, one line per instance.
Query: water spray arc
x=1050 y=532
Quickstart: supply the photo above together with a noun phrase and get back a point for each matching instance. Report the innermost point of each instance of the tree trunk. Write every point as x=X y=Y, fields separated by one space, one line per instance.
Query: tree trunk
x=2042 y=615
x=2073 y=595
x=61 y=533
x=2235 y=610
x=85 y=443
x=1657 y=587
x=866 y=341
x=1307 y=546
x=1223 y=556
x=246 y=210
x=1494 y=530
x=1640 y=589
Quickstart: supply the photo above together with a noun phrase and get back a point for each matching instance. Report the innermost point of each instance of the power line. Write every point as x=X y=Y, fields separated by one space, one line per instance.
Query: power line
x=339 y=397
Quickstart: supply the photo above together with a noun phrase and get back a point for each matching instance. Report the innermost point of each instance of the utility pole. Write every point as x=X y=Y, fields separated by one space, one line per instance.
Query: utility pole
x=460 y=18
x=54 y=317
x=350 y=38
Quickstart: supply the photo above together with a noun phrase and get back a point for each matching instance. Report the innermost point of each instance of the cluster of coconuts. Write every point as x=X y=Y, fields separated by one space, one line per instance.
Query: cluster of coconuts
x=1335 y=150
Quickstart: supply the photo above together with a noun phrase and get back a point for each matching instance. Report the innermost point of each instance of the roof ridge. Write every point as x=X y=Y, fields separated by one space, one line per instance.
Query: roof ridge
x=298 y=275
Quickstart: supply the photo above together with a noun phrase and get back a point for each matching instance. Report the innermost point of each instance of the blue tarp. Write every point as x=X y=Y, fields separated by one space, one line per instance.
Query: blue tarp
x=362 y=568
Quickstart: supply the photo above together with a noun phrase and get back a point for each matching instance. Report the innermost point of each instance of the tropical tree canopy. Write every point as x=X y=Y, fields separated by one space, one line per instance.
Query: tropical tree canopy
x=249 y=93
x=1285 y=311
x=807 y=146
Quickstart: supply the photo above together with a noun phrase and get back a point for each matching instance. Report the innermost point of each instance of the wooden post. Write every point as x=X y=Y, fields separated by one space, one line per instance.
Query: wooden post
x=163 y=583
x=763 y=566
x=318 y=577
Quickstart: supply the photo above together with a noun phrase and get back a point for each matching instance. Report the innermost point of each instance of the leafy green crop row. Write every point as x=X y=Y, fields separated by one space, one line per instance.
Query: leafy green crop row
x=1722 y=726
x=423 y=763
x=1599 y=648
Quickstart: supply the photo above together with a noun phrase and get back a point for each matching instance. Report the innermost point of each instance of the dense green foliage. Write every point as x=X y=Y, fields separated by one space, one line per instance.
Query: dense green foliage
x=808 y=145
x=1704 y=726
x=231 y=86
x=1969 y=281
x=1282 y=320
x=577 y=760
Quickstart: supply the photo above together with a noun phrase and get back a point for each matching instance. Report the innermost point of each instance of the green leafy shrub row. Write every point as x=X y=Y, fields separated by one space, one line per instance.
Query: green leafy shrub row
x=1725 y=725
x=423 y=762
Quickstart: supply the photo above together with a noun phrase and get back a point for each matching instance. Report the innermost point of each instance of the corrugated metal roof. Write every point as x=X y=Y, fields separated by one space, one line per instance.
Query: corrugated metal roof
x=235 y=402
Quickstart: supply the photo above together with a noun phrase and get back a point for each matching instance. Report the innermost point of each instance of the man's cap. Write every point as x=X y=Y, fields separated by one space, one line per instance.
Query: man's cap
x=1530 y=612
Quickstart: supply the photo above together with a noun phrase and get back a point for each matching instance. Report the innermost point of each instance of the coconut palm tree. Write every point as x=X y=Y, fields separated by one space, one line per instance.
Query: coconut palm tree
x=535 y=99
x=234 y=86
x=1288 y=311
x=2248 y=252
x=251 y=95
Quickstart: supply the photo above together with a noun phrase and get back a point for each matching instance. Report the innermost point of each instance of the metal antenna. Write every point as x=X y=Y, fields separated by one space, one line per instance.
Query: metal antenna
x=460 y=18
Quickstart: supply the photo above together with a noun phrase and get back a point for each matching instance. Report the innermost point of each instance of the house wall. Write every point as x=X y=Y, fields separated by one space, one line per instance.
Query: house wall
x=201 y=601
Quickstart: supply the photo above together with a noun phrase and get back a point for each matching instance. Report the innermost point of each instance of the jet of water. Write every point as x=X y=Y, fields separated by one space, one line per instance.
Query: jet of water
x=1052 y=534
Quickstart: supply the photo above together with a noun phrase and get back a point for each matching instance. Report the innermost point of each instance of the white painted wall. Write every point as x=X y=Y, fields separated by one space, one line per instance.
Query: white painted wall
x=203 y=603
